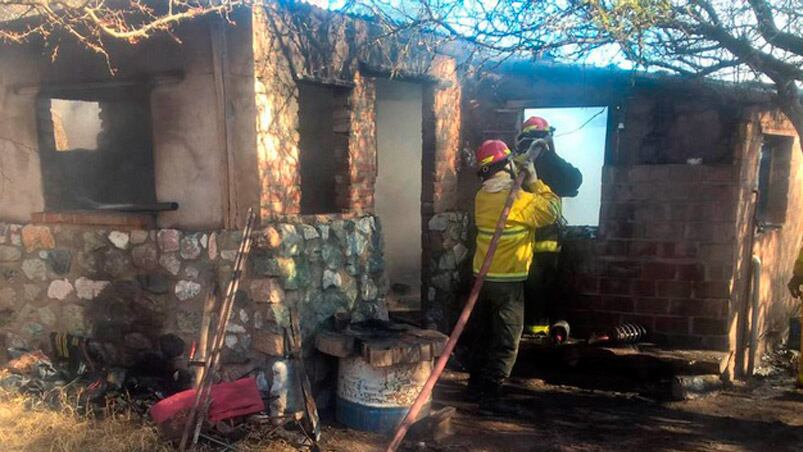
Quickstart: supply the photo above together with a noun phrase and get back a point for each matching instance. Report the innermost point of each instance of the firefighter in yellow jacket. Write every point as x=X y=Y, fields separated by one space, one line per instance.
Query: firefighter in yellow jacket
x=795 y=287
x=499 y=315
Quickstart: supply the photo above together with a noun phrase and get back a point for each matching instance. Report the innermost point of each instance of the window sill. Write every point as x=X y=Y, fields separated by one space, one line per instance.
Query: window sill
x=96 y=218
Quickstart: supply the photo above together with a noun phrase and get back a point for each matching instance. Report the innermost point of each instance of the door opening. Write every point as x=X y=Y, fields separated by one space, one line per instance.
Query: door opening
x=398 y=188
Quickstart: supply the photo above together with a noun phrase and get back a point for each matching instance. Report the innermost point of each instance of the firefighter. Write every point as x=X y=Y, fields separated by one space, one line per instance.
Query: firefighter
x=795 y=285
x=540 y=291
x=499 y=314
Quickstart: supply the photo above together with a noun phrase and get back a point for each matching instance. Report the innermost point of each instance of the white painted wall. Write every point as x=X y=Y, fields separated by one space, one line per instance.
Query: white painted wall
x=398 y=184
x=580 y=137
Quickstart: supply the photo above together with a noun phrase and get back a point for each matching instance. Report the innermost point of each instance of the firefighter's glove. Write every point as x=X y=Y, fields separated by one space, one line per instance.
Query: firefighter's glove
x=536 y=148
x=794 y=286
x=531 y=175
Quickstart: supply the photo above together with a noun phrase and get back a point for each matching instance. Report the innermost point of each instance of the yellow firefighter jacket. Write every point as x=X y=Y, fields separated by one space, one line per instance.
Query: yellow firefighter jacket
x=531 y=210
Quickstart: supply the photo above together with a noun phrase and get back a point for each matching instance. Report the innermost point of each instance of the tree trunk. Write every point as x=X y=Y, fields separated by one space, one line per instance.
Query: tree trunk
x=789 y=100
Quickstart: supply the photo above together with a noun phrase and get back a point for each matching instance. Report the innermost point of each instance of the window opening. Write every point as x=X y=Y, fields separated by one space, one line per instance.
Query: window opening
x=96 y=148
x=580 y=138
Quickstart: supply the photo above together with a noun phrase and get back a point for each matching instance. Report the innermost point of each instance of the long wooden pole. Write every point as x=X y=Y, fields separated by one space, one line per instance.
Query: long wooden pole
x=440 y=365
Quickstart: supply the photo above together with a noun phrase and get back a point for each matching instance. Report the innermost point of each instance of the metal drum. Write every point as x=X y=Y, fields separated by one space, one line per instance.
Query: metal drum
x=376 y=399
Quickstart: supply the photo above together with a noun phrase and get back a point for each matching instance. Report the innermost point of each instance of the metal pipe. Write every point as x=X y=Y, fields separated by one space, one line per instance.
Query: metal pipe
x=130 y=207
x=755 y=297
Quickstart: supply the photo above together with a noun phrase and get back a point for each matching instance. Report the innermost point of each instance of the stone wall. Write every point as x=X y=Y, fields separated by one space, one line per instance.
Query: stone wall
x=125 y=287
x=448 y=269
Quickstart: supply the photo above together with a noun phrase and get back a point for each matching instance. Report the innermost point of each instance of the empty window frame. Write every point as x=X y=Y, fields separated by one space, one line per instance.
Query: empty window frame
x=580 y=138
x=96 y=148
x=774 y=169
x=323 y=115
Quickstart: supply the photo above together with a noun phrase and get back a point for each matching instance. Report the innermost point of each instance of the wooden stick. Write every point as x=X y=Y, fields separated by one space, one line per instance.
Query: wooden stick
x=203 y=341
x=310 y=409
x=440 y=365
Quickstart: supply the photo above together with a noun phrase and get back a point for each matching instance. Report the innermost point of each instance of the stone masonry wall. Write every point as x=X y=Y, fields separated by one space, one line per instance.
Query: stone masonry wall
x=448 y=268
x=125 y=287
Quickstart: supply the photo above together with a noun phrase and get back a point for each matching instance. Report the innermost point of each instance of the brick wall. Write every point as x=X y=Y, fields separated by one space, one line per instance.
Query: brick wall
x=665 y=253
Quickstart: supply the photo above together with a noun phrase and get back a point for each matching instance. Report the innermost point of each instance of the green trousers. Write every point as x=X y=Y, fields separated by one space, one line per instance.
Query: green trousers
x=540 y=290
x=496 y=326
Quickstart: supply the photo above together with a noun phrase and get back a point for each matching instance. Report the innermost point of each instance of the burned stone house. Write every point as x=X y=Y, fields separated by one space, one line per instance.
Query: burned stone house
x=226 y=115
x=355 y=153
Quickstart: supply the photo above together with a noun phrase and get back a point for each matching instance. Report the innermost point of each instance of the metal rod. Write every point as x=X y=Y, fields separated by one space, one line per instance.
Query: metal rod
x=440 y=365
x=755 y=301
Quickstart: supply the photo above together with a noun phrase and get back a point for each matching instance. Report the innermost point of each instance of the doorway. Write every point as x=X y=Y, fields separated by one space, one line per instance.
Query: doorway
x=398 y=188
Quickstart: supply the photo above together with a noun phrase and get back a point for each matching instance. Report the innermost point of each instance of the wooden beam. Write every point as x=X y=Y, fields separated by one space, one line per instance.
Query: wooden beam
x=158 y=79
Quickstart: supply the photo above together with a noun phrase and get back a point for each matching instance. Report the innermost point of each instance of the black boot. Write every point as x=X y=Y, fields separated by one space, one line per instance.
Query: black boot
x=492 y=402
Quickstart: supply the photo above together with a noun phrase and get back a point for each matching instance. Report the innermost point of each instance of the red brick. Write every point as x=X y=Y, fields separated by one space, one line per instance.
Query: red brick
x=716 y=252
x=587 y=284
x=694 y=307
x=679 y=249
x=712 y=289
x=663 y=230
x=658 y=270
x=707 y=326
x=588 y=302
x=612 y=248
x=673 y=289
x=718 y=272
x=618 y=304
x=678 y=211
x=691 y=272
x=644 y=288
x=647 y=321
x=715 y=342
x=642 y=248
x=686 y=174
x=724 y=173
x=615 y=286
x=652 y=306
x=622 y=269
x=672 y=325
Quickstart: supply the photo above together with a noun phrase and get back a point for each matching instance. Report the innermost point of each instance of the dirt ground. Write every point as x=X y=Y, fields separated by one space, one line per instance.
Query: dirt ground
x=766 y=416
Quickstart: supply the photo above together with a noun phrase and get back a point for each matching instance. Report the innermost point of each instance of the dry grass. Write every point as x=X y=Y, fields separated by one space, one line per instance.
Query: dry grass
x=40 y=429
x=28 y=426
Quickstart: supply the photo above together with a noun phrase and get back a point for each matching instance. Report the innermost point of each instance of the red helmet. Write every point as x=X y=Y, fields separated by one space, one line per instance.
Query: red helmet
x=492 y=152
x=535 y=124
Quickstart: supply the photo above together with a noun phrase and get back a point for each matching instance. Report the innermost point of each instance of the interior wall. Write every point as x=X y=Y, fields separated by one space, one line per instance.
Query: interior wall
x=398 y=185
x=186 y=151
x=317 y=161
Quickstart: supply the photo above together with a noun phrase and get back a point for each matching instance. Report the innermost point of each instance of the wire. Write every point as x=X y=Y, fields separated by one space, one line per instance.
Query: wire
x=582 y=125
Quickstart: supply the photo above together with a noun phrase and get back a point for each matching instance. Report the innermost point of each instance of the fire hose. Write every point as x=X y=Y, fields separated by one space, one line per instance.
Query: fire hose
x=440 y=365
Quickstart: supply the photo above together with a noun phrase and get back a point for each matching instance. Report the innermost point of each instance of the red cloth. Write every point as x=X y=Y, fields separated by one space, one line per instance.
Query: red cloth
x=237 y=398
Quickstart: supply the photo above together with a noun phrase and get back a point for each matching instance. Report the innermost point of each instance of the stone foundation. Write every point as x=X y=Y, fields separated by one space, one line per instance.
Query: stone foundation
x=127 y=287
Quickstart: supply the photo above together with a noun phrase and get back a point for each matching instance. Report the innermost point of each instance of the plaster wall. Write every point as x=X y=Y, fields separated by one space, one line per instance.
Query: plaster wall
x=398 y=184
x=184 y=125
